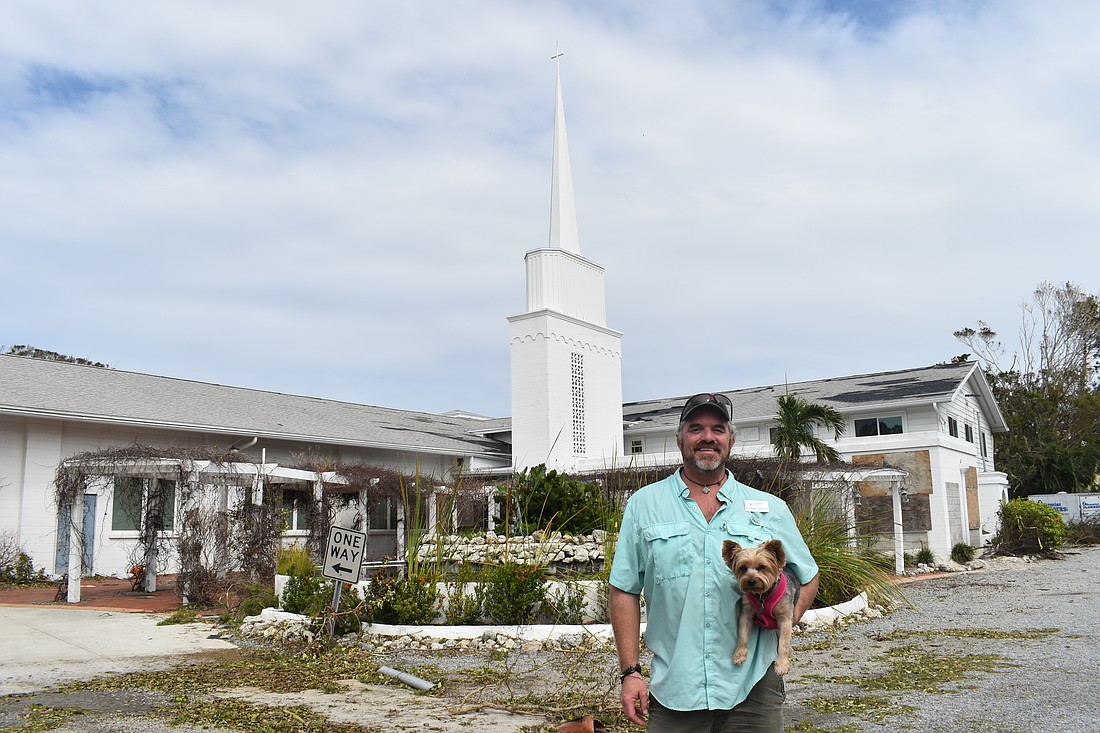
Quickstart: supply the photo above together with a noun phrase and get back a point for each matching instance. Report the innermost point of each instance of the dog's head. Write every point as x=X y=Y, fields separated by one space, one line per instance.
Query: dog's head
x=756 y=568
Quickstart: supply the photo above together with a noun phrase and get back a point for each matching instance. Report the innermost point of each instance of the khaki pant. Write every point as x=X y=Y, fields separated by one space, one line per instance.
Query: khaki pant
x=760 y=712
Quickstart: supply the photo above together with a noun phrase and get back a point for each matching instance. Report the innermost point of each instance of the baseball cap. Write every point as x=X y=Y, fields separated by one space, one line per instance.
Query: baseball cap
x=708 y=399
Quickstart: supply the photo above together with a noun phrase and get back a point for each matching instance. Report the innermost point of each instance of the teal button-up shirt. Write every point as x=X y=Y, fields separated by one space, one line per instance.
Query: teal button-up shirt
x=672 y=556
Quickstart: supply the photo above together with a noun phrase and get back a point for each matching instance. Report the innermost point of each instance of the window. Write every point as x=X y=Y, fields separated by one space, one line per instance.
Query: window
x=969 y=432
x=383 y=513
x=869 y=426
x=297 y=508
x=772 y=432
x=131 y=502
x=636 y=446
x=126 y=509
x=985 y=450
x=952 y=427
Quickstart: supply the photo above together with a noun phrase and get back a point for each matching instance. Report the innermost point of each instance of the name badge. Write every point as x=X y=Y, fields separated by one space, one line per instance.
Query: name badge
x=756 y=505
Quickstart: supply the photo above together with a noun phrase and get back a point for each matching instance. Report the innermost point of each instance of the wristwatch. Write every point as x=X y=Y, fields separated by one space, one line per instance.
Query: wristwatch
x=629 y=671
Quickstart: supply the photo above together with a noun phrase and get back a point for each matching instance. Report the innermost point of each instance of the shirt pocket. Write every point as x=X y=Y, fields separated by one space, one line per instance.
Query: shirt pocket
x=670 y=549
x=747 y=530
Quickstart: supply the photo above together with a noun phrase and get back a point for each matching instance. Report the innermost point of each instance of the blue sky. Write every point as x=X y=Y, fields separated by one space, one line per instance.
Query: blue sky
x=335 y=199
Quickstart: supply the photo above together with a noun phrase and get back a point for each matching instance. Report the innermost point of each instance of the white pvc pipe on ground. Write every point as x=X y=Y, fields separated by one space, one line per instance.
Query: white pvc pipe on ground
x=407 y=678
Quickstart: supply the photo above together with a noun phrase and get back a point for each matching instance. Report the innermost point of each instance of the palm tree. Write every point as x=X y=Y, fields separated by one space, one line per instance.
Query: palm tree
x=795 y=429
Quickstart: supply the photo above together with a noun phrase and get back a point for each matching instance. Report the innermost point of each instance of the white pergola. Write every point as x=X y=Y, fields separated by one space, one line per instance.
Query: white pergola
x=893 y=476
x=196 y=473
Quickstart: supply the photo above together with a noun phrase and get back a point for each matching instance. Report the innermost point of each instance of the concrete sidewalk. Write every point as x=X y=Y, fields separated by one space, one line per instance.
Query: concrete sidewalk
x=44 y=645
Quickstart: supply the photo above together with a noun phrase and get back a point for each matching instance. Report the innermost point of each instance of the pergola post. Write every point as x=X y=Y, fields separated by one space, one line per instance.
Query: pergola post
x=76 y=548
x=899 y=534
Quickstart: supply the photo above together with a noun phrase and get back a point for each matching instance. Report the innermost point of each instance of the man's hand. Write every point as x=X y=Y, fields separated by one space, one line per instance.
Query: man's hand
x=635 y=699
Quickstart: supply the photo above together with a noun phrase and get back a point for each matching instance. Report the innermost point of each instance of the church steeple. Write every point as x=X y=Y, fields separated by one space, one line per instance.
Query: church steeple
x=567 y=397
x=563 y=207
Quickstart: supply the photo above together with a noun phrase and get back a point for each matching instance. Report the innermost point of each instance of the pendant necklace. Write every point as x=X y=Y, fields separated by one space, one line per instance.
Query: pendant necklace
x=704 y=487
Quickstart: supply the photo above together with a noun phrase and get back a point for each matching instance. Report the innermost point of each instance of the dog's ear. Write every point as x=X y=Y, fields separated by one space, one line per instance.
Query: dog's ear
x=775 y=547
x=729 y=551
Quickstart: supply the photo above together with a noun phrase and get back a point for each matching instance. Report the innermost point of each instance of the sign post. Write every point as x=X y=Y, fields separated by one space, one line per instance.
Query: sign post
x=342 y=563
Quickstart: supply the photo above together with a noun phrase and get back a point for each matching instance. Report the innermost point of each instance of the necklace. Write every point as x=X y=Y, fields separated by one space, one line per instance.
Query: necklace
x=704 y=487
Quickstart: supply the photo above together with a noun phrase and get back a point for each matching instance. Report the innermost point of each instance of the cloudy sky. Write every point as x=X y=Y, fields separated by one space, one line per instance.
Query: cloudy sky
x=335 y=198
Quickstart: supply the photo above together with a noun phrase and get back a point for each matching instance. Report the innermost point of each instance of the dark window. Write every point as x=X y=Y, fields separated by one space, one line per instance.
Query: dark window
x=297 y=507
x=969 y=432
x=126 y=509
x=166 y=514
x=772 y=432
x=869 y=426
x=383 y=513
x=636 y=445
x=952 y=427
x=985 y=450
x=131 y=498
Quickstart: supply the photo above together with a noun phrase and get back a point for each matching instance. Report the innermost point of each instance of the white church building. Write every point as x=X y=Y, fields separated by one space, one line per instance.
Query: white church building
x=918 y=448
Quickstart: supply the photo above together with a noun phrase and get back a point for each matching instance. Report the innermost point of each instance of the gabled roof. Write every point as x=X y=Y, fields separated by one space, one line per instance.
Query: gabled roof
x=37 y=388
x=857 y=393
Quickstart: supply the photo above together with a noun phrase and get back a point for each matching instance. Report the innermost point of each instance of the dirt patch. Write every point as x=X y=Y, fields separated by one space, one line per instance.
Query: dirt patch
x=388 y=708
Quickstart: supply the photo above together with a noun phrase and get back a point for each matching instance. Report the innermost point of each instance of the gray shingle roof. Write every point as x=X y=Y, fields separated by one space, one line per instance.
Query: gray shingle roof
x=846 y=394
x=70 y=391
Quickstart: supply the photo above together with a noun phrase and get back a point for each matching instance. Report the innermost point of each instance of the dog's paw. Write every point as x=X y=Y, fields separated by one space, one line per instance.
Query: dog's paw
x=782 y=667
x=740 y=655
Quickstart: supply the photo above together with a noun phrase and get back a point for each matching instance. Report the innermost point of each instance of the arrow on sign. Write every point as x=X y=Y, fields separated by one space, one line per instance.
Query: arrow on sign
x=341 y=569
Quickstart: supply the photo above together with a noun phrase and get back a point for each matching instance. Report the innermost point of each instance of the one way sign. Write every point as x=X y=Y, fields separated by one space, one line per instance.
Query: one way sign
x=344 y=556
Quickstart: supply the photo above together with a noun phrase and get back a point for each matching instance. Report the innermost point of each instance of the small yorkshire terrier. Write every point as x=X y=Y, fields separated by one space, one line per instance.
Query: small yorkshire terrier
x=769 y=594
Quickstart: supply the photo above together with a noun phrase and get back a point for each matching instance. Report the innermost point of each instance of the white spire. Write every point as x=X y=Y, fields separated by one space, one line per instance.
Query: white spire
x=563 y=208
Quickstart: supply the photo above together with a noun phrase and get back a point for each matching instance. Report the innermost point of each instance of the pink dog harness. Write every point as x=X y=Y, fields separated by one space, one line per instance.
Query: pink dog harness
x=765 y=616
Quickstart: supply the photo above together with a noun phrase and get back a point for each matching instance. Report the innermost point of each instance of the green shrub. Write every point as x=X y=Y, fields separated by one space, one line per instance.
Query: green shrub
x=541 y=499
x=254 y=597
x=566 y=605
x=909 y=559
x=306 y=594
x=514 y=593
x=962 y=553
x=464 y=598
x=925 y=556
x=294 y=561
x=312 y=596
x=1029 y=528
x=391 y=599
x=18 y=569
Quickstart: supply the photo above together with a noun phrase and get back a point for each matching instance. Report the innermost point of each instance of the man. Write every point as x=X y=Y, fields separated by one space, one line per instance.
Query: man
x=670 y=550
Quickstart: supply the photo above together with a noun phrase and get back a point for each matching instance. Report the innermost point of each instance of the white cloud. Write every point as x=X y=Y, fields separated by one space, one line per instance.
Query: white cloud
x=235 y=193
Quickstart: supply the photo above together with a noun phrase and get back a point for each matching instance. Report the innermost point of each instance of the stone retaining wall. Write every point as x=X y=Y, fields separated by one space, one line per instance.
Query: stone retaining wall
x=550 y=550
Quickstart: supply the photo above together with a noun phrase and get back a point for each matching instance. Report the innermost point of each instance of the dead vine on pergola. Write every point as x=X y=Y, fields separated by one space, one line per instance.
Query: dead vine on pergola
x=214 y=539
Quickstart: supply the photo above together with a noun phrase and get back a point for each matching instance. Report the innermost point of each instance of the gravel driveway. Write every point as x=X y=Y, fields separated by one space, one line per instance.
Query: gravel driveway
x=1032 y=625
x=1010 y=649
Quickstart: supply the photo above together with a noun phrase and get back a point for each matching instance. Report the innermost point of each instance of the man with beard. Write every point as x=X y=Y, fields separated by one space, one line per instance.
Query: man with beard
x=670 y=551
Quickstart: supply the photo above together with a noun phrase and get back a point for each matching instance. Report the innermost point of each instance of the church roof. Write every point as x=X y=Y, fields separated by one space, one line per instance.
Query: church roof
x=58 y=390
x=856 y=393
